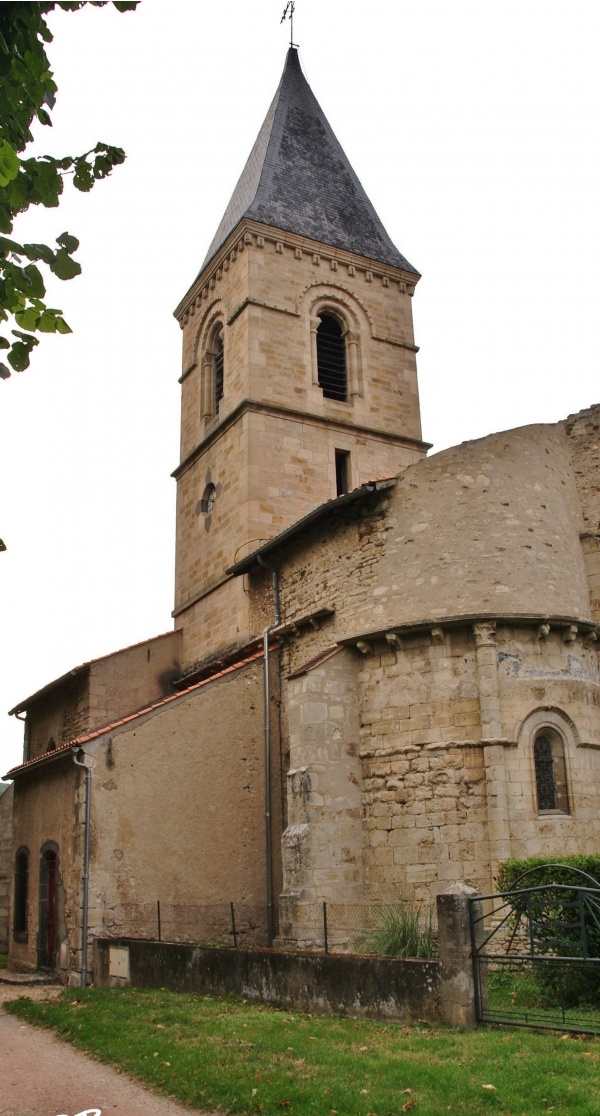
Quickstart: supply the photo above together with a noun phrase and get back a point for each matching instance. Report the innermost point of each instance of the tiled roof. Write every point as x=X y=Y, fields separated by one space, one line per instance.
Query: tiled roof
x=316 y=660
x=79 y=741
x=299 y=179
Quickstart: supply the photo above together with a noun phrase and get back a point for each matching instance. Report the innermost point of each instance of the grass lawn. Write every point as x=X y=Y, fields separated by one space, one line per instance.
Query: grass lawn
x=247 y=1058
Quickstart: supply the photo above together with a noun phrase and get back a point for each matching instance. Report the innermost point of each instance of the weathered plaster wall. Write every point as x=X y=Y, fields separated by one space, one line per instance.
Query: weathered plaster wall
x=109 y=688
x=6 y=816
x=178 y=804
x=122 y=683
x=486 y=527
x=48 y=806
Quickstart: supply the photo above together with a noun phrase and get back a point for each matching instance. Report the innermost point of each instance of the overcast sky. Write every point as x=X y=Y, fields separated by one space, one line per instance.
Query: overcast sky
x=473 y=126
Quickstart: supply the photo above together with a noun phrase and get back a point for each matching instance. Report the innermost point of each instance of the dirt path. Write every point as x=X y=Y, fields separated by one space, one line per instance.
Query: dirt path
x=41 y=1076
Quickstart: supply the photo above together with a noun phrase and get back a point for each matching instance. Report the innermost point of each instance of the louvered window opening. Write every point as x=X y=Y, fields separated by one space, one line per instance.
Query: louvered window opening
x=218 y=358
x=331 y=358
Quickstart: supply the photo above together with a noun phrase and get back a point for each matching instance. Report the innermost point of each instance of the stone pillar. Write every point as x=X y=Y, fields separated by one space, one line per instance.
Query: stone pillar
x=314 y=325
x=352 y=348
x=322 y=845
x=590 y=544
x=493 y=748
x=457 y=986
x=208 y=387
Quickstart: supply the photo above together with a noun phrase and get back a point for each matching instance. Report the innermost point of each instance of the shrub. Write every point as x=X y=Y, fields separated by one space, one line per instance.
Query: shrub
x=402 y=930
x=557 y=927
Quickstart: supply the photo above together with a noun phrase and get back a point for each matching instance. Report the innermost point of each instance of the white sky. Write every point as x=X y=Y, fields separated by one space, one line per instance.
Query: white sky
x=473 y=126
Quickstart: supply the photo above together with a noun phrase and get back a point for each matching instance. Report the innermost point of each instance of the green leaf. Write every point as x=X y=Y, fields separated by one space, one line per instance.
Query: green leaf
x=28 y=319
x=4 y=344
x=37 y=288
x=63 y=266
x=26 y=338
x=39 y=252
x=44 y=117
x=68 y=242
x=47 y=323
x=9 y=164
x=7 y=245
x=83 y=178
x=62 y=327
x=18 y=356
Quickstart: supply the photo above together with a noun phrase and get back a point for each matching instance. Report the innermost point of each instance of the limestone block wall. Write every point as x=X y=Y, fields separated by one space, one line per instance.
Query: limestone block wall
x=333 y=564
x=583 y=434
x=216 y=303
x=424 y=783
x=207 y=540
x=279 y=282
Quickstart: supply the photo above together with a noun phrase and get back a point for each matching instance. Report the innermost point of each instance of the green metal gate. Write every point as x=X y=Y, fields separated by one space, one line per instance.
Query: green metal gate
x=536 y=954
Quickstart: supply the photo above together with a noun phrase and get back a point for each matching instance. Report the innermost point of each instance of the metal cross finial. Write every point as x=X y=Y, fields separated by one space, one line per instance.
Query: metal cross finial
x=288 y=11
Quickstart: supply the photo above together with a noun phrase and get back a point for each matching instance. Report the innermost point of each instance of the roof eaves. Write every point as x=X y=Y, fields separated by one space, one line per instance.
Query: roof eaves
x=335 y=505
x=79 y=741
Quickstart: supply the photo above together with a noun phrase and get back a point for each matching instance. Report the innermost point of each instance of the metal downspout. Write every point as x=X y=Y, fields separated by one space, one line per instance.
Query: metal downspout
x=85 y=879
x=267 y=726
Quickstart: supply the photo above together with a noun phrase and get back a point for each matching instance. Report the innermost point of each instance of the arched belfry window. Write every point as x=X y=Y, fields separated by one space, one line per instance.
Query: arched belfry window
x=213 y=372
x=331 y=357
x=550 y=772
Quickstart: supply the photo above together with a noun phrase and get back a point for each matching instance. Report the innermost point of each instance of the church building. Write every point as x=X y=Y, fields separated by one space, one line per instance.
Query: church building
x=383 y=673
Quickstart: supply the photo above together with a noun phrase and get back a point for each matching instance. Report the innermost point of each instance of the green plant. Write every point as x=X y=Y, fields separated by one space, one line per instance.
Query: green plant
x=247 y=1059
x=566 y=922
x=402 y=930
x=27 y=97
x=3 y=960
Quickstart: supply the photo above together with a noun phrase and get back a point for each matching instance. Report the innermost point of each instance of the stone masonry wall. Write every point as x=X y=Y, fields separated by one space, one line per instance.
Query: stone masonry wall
x=425 y=810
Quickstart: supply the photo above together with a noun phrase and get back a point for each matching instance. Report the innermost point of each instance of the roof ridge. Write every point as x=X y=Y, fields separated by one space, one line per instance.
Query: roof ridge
x=298 y=178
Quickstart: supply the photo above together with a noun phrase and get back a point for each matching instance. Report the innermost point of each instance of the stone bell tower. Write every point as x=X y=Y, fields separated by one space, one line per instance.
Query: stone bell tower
x=299 y=377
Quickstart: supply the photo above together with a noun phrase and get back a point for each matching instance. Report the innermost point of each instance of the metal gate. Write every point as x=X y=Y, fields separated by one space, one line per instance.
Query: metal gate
x=536 y=954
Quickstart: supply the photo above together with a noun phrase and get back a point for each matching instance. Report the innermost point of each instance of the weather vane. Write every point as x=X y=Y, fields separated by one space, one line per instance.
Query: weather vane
x=288 y=13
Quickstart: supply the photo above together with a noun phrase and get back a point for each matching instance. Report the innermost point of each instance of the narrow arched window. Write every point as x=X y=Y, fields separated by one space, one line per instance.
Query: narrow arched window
x=218 y=365
x=331 y=358
x=550 y=772
x=21 y=894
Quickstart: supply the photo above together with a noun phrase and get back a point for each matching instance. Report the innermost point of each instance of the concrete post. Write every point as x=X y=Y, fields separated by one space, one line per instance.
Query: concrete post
x=457 y=988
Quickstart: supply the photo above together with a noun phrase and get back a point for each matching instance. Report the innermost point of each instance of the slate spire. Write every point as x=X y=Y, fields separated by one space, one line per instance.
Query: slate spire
x=299 y=180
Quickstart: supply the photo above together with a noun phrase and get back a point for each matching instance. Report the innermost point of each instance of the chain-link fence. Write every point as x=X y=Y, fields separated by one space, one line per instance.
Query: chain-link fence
x=394 y=929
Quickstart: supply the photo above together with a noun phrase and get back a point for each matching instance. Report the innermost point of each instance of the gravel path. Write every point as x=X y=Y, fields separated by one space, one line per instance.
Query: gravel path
x=41 y=1076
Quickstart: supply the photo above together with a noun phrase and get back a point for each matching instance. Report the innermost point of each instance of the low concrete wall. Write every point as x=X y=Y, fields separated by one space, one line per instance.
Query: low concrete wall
x=339 y=984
